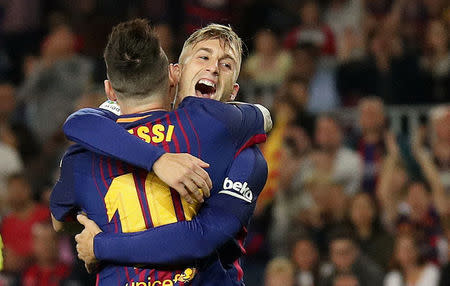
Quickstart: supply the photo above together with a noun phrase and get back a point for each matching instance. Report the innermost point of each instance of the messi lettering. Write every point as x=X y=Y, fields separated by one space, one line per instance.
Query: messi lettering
x=157 y=134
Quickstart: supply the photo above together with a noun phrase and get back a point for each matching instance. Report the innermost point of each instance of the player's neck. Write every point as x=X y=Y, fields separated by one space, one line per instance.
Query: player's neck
x=133 y=107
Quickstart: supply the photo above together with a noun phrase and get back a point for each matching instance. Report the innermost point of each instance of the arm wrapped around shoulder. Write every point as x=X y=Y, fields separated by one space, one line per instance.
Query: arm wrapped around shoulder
x=265 y=112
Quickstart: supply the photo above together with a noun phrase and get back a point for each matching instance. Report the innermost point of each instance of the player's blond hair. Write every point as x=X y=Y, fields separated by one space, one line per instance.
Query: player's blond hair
x=215 y=31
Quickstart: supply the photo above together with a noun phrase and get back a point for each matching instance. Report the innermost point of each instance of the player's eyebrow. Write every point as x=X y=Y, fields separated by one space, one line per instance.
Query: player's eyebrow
x=228 y=56
x=210 y=51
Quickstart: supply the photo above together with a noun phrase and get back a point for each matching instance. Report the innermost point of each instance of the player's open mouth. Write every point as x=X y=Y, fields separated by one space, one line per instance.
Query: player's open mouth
x=205 y=88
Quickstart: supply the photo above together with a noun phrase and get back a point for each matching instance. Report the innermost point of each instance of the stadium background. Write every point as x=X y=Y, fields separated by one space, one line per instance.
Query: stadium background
x=359 y=156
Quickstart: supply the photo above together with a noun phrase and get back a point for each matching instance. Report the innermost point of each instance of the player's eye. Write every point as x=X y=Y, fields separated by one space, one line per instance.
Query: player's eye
x=204 y=58
x=227 y=66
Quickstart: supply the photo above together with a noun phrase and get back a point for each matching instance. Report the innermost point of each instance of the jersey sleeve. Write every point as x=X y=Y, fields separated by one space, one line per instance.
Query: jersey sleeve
x=62 y=198
x=218 y=221
x=245 y=122
x=97 y=131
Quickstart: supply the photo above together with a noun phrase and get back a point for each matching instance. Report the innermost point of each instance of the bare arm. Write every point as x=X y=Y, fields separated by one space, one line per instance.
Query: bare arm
x=385 y=193
x=430 y=171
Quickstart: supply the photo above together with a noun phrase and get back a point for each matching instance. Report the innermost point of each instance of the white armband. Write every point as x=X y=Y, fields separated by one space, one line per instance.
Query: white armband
x=267 y=118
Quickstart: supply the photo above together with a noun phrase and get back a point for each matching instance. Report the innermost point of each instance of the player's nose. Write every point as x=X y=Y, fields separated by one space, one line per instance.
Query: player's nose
x=213 y=67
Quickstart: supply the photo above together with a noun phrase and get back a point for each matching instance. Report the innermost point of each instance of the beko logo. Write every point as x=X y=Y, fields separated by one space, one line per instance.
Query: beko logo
x=237 y=189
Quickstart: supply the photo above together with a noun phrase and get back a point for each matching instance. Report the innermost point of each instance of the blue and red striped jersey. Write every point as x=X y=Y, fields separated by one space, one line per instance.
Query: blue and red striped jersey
x=122 y=198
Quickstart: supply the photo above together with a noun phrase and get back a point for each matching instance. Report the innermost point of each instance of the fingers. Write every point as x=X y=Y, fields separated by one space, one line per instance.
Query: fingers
x=200 y=162
x=88 y=224
x=202 y=180
x=197 y=178
x=205 y=176
x=78 y=237
x=82 y=219
x=181 y=190
x=198 y=169
x=88 y=268
x=193 y=189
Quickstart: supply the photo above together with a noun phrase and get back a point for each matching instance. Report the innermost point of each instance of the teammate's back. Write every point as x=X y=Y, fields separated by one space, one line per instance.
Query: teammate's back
x=123 y=198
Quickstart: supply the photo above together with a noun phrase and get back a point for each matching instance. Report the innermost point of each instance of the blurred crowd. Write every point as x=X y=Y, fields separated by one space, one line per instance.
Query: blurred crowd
x=349 y=200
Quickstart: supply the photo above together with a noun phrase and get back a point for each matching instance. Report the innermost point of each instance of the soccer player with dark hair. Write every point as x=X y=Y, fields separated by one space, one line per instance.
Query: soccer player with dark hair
x=124 y=200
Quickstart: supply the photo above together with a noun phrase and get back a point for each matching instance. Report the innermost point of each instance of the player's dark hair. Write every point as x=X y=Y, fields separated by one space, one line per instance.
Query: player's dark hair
x=136 y=65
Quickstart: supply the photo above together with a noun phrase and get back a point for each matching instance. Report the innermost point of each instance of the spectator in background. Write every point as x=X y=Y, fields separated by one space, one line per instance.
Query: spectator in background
x=46 y=269
x=392 y=184
x=294 y=96
x=268 y=65
x=306 y=261
x=345 y=164
x=345 y=18
x=418 y=216
x=372 y=239
x=311 y=30
x=433 y=178
x=395 y=59
x=279 y=272
x=409 y=266
x=440 y=143
x=320 y=75
x=370 y=144
x=13 y=131
x=436 y=61
x=16 y=228
x=435 y=8
x=57 y=80
x=346 y=280
x=426 y=203
x=20 y=30
x=270 y=224
x=11 y=162
x=346 y=258
x=445 y=270
x=287 y=193
x=319 y=207
x=391 y=69
x=417 y=210
x=290 y=120
x=167 y=40
x=200 y=12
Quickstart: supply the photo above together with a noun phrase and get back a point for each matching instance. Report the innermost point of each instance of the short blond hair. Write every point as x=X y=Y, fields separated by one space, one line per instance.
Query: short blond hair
x=215 y=31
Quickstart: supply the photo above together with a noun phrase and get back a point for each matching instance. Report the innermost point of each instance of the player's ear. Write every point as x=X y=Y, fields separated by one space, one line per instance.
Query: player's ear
x=174 y=74
x=235 y=91
x=110 y=91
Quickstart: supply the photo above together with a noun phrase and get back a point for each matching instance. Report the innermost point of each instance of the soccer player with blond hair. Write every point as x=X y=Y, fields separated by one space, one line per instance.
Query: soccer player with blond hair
x=204 y=239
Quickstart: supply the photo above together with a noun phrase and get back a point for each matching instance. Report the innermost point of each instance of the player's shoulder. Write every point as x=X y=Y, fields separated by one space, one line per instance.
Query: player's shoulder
x=259 y=109
x=97 y=111
x=74 y=150
x=218 y=109
x=91 y=112
x=209 y=105
x=74 y=156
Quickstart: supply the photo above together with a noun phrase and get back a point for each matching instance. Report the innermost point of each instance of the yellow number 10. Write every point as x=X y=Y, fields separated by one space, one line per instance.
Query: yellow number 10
x=122 y=196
